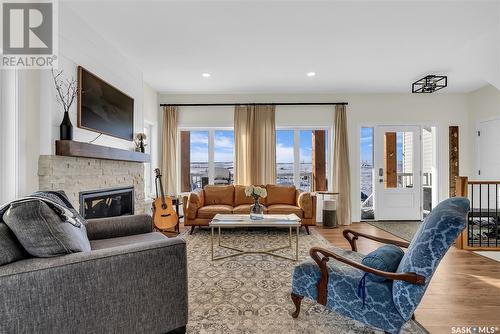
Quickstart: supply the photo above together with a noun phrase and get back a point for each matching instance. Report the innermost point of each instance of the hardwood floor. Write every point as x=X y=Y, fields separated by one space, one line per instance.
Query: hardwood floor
x=465 y=290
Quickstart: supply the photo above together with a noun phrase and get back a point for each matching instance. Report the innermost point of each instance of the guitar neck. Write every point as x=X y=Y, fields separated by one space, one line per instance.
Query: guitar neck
x=162 y=193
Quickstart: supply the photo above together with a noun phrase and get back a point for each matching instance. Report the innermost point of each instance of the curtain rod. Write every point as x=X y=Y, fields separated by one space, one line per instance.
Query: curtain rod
x=253 y=104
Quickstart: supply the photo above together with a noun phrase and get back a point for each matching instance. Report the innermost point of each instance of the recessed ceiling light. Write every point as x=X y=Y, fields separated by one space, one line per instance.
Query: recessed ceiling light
x=311 y=74
x=206 y=75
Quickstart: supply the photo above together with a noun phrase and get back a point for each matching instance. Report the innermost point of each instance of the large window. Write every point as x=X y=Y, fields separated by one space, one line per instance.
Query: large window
x=285 y=157
x=366 y=172
x=198 y=154
x=302 y=158
x=208 y=156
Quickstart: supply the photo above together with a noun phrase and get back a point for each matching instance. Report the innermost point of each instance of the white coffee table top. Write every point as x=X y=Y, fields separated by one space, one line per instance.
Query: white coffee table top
x=221 y=220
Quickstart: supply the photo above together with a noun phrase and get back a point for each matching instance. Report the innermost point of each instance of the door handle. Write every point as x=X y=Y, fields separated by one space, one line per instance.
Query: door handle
x=381 y=175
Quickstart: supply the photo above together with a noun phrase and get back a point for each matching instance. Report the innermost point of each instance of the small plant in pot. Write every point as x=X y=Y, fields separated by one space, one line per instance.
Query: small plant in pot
x=140 y=144
x=66 y=92
x=257 y=209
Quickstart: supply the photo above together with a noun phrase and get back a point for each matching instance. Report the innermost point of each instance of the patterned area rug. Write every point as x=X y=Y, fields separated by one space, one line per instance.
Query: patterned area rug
x=251 y=293
x=404 y=230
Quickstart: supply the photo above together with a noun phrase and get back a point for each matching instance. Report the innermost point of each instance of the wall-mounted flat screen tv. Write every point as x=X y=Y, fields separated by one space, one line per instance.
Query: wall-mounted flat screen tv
x=103 y=108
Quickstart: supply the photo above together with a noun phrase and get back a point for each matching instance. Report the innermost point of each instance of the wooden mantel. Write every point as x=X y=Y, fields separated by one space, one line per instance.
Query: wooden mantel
x=70 y=148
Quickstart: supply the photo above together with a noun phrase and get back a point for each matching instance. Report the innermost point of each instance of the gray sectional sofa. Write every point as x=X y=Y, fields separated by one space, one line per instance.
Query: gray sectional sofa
x=133 y=280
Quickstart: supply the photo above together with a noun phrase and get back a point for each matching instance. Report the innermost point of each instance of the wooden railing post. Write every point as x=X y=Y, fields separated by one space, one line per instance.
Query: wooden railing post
x=461 y=190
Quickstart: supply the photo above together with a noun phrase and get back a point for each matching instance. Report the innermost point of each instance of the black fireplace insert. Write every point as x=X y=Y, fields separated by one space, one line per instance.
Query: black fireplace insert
x=105 y=203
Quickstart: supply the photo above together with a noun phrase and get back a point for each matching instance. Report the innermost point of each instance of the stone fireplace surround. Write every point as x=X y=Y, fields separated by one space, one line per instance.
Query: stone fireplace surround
x=74 y=175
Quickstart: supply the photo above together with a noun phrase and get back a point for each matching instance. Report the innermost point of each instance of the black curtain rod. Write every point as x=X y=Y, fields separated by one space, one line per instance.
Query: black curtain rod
x=253 y=104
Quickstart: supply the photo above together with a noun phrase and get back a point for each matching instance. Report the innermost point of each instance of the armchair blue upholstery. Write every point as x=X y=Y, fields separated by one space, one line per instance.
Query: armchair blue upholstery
x=389 y=304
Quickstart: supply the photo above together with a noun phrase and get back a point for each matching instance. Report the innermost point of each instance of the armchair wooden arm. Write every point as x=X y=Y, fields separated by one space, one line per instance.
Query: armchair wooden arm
x=326 y=255
x=355 y=235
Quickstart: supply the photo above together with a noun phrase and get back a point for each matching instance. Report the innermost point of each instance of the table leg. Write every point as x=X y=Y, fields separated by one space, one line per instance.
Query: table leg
x=297 y=244
x=219 y=236
x=290 y=237
x=212 y=241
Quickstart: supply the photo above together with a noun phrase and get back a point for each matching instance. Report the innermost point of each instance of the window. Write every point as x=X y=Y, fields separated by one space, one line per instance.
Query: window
x=285 y=157
x=366 y=173
x=223 y=156
x=207 y=157
x=198 y=156
x=302 y=158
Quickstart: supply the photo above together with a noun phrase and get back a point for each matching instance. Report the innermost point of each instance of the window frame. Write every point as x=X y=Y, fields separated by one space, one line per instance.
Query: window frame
x=211 y=149
x=296 y=150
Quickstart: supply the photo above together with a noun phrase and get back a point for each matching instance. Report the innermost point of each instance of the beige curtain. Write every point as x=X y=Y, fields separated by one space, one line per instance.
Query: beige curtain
x=255 y=144
x=169 y=144
x=341 y=171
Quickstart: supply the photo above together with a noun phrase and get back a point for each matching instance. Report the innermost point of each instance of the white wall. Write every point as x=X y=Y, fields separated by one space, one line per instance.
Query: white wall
x=440 y=110
x=38 y=115
x=152 y=117
x=8 y=135
x=484 y=105
x=80 y=45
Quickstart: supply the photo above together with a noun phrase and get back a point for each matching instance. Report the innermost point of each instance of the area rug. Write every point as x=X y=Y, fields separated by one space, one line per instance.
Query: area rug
x=404 y=230
x=251 y=293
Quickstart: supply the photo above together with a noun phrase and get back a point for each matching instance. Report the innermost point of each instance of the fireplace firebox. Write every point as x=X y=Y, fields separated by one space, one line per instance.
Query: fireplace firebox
x=105 y=203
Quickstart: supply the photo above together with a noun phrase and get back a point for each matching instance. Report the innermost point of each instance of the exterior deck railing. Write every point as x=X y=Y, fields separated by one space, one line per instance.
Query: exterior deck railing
x=483 y=222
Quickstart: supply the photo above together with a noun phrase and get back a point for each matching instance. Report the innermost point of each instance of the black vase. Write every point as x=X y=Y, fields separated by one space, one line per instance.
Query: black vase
x=66 y=128
x=141 y=147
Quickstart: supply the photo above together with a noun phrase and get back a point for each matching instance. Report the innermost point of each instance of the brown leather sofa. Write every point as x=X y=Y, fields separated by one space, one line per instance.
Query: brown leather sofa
x=202 y=205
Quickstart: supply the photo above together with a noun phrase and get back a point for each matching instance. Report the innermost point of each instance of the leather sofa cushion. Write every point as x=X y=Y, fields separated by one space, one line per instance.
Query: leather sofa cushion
x=279 y=194
x=239 y=196
x=285 y=209
x=215 y=195
x=209 y=211
x=244 y=209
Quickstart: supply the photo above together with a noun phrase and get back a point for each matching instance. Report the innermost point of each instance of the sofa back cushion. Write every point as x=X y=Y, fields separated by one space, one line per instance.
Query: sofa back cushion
x=280 y=194
x=215 y=195
x=431 y=242
x=43 y=231
x=10 y=249
x=239 y=196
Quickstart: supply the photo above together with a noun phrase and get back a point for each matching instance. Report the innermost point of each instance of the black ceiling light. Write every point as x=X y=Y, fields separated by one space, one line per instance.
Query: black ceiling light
x=429 y=84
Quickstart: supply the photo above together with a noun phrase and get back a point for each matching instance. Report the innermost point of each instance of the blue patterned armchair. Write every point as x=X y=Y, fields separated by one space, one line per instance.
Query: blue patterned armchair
x=390 y=303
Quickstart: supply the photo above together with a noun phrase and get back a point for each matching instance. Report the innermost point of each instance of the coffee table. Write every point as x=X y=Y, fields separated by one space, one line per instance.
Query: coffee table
x=270 y=221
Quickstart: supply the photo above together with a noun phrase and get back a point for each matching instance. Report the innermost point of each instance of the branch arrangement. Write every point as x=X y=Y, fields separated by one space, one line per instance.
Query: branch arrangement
x=66 y=89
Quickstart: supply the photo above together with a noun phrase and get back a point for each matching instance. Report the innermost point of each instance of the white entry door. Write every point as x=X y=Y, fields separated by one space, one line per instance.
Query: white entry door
x=397 y=179
x=488 y=150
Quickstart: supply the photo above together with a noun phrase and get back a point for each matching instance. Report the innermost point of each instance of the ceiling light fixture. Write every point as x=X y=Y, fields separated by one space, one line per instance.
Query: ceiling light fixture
x=311 y=74
x=206 y=75
x=429 y=84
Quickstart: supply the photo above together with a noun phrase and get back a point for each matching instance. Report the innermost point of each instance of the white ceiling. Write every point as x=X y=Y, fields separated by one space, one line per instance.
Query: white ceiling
x=268 y=47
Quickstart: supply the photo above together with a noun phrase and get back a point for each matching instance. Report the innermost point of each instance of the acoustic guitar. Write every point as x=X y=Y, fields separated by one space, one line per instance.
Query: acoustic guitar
x=164 y=214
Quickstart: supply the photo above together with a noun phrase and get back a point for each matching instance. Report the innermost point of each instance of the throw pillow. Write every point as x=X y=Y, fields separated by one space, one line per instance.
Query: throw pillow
x=385 y=258
x=10 y=249
x=43 y=230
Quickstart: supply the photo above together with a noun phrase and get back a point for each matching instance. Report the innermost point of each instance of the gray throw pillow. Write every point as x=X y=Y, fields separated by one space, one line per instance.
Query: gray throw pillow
x=10 y=249
x=41 y=229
